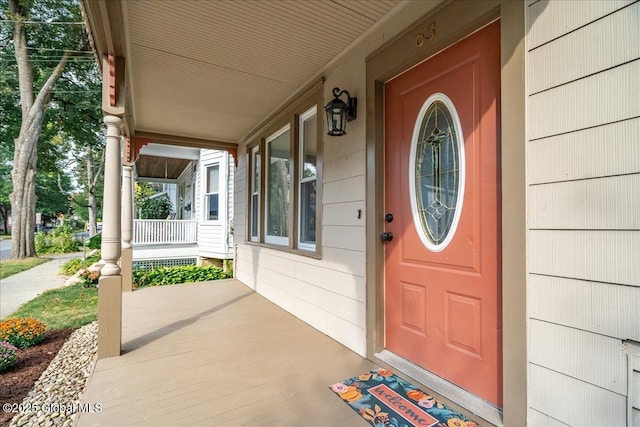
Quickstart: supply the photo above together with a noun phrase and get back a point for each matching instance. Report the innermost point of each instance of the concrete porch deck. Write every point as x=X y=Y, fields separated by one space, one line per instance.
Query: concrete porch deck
x=217 y=353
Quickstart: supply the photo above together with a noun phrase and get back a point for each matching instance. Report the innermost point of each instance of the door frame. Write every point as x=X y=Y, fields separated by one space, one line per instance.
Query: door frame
x=452 y=21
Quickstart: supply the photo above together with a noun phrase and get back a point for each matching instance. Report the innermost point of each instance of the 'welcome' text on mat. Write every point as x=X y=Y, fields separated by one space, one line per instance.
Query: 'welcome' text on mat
x=384 y=399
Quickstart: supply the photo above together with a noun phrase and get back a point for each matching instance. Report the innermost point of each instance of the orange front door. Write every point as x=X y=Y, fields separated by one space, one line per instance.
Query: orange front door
x=442 y=189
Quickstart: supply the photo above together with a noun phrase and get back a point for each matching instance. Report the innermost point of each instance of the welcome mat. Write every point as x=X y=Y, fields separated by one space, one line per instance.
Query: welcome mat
x=382 y=398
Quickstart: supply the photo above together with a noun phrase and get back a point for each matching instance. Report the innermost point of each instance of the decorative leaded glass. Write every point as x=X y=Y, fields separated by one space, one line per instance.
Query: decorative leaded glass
x=437 y=172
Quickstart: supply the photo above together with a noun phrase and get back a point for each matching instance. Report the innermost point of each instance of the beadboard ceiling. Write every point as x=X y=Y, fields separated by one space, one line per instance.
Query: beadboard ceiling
x=216 y=69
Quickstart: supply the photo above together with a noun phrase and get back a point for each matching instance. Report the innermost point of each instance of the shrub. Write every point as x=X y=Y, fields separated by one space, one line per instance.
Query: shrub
x=8 y=356
x=95 y=241
x=173 y=275
x=89 y=278
x=156 y=208
x=59 y=240
x=22 y=332
x=72 y=266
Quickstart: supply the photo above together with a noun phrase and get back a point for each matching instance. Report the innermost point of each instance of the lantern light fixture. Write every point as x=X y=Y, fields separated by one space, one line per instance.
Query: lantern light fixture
x=339 y=112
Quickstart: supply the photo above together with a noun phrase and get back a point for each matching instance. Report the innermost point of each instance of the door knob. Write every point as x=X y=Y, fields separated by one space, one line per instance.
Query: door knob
x=388 y=217
x=386 y=237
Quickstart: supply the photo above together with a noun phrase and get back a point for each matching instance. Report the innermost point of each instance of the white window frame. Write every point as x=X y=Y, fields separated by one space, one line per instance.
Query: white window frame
x=311 y=112
x=255 y=191
x=221 y=193
x=268 y=238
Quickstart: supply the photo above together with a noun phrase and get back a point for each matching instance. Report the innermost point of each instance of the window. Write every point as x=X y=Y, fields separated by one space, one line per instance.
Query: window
x=255 y=193
x=436 y=172
x=284 y=164
x=212 y=193
x=308 y=149
x=278 y=187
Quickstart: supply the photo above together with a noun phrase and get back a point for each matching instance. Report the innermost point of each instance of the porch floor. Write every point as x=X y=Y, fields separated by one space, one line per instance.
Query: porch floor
x=217 y=353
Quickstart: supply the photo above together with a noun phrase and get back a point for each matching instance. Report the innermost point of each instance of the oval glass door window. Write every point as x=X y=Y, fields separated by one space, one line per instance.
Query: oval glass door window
x=436 y=172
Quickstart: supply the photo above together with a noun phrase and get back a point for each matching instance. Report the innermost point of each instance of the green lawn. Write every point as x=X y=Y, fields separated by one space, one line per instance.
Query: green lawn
x=5 y=236
x=67 y=307
x=12 y=266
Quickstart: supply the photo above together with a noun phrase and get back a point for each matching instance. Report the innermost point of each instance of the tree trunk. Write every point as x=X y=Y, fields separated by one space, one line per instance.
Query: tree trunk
x=23 y=197
x=91 y=199
x=5 y=219
x=25 y=157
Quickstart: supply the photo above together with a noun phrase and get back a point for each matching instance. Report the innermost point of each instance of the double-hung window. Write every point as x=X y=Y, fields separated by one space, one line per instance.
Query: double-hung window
x=212 y=193
x=255 y=194
x=285 y=173
x=278 y=187
x=307 y=193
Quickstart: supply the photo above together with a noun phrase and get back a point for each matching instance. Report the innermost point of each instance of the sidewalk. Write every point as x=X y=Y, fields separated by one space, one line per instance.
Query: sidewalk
x=22 y=287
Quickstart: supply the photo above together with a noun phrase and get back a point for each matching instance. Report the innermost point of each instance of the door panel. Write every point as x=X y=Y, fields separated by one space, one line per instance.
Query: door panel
x=442 y=302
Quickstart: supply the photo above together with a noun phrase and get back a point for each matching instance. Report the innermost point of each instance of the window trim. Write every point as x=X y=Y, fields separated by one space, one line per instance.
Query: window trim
x=309 y=99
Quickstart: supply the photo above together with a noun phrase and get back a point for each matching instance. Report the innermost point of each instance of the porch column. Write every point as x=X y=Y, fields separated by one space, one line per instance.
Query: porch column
x=110 y=284
x=126 y=260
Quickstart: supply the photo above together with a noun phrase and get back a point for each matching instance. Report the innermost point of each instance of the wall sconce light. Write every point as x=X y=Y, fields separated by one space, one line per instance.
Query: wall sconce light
x=339 y=113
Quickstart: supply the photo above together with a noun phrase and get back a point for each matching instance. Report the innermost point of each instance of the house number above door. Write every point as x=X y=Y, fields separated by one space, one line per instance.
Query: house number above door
x=427 y=35
x=436 y=172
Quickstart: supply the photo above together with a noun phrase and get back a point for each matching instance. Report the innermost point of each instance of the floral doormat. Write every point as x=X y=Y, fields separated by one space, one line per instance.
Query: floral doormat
x=384 y=399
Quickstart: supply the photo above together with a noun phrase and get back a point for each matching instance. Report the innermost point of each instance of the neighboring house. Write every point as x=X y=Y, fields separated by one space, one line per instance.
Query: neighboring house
x=199 y=184
x=476 y=228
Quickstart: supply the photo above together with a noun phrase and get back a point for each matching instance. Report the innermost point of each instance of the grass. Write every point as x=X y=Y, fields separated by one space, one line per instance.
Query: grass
x=5 y=236
x=12 y=266
x=67 y=307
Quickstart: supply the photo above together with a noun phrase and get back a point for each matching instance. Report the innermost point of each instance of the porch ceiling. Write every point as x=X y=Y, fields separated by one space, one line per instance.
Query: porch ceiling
x=164 y=162
x=163 y=168
x=215 y=69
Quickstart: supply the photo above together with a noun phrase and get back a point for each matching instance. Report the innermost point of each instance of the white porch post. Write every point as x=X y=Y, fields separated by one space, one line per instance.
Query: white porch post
x=110 y=284
x=126 y=260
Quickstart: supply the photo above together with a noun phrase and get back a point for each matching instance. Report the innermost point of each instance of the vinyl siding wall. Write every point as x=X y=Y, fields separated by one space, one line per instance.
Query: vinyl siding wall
x=214 y=237
x=328 y=293
x=583 y=167
x=187 y=178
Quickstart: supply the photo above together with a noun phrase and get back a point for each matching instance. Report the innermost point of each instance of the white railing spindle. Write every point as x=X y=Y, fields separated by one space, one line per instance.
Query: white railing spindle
x=159 y=231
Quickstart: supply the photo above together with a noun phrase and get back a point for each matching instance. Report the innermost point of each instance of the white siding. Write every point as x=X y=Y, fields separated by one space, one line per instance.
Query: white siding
x=560 y=349
x=570 y=205
x=633 y=349
x=240 y=199
x=328 y=293
x=574 y=402
x=588 y=153
x=535 y=418
x=583 y=167
x=555 y=20
x=187 y=178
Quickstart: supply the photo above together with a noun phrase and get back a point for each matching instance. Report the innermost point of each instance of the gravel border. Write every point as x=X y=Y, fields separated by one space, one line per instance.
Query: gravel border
x=55 y=398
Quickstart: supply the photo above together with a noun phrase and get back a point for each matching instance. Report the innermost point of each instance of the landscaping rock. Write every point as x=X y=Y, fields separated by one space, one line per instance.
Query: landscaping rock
x=56 y=396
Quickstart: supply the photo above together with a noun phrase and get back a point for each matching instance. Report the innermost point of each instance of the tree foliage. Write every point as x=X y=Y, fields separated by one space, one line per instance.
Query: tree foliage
x=149 y=203
x=49 y=113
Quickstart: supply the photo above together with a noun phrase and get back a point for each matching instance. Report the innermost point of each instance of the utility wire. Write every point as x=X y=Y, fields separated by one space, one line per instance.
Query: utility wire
x=13 y=21
x=54 y=49
x=9 y=56
x=58 y=91
x=53 y=60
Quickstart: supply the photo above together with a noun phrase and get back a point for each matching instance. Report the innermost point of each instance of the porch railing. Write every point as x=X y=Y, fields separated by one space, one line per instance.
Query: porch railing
x=160 y=232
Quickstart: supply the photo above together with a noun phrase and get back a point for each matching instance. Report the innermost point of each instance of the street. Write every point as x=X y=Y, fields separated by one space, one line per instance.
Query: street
x=5 y=245
x=5 y=249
